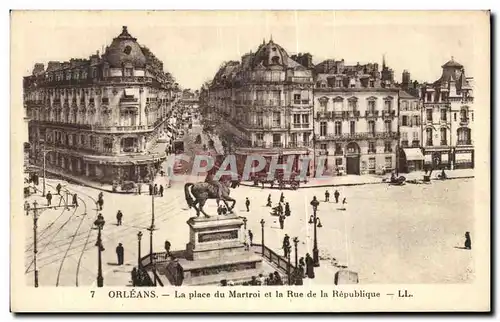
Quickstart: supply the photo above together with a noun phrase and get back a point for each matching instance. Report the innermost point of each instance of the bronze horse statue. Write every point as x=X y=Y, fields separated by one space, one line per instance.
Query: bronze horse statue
x=202 y=191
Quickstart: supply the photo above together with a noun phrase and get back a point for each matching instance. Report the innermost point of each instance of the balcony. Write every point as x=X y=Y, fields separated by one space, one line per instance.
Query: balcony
x=338 y=152
x=371 y=114
x=360 y=136
x=301 y=102
x=277 y=145
x=372 y=151
x=338 y=115
x=388 y=150
x=300 y=144
x=324 y=115
x=429 y=120
x=354 y=114
x=464 y=142
x=105 y=100
x=301 y=125
x=415 y=144
x=443 y=143
x=129 y=100
x=389 y=113
x=404 y=143
x=63 y=124
x=429 y=143
x=464 y=121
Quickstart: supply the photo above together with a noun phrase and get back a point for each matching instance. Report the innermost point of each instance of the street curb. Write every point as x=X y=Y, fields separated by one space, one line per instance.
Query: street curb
x=342 y=184
x=72 y=179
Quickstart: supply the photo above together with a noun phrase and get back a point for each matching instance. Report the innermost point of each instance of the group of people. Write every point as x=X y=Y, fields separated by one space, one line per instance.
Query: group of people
x=281 y=211
x=140 y=278
x=155 y=189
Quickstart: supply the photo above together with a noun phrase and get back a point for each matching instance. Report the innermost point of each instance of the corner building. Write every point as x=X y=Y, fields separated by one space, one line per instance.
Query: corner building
x=266 y=101
x=356 y=117
x=448 y=113
x=102 y=117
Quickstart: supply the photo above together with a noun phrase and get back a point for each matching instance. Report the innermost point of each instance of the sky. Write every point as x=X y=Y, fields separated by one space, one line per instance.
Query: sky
x=193 y=45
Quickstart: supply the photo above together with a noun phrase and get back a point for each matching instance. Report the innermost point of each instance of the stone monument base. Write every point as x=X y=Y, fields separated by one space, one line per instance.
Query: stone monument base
x=216 y=251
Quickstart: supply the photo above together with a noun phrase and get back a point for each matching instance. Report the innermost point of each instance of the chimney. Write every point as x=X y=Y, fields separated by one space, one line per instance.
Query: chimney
x=406 y=79
x=39 y=68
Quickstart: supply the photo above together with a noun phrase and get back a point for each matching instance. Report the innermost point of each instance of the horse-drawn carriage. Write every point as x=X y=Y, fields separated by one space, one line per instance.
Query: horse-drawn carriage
x=280 y=179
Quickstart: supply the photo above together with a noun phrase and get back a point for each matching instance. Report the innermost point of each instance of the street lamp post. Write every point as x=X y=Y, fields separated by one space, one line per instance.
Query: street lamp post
x=139 y=236
x=288 y=272
x=99 y=223
x=44 y=153
x=315 y=247
x=151 y=230
x=35 y=250
x=295 y=243
x=262 y=222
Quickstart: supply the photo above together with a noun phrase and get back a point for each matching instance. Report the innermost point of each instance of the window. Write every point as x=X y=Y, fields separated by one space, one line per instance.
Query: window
x=387 y=146
x=404 y=120
x=429 y=97
x=371 y=163
x=259 y=136
x=305 y=139
x=338 y=161
x=444 y=96
x=372 y=83
x=293 y=138
x=416 y=120
x=107 y=144
x=388 y=162
x=305 y=120
x=338 y=149
x=443 y=115
x=443 y=136
x=352 y=127
x=371 y=127
x=371 y=106
x=352 y=105
x=388 y=105
x=82 y=140
x=323 y=104
x=388 y=126
x=472 y=116
x=323 y=146
x=338 y=128
x=129 y=72
x=428 y=113
x=428 y=133
x=464 y=137
x=94 y=73
x=276 y=119
x=127 y=50
x=260 y=119
x=404 y=136
x=276 y=140
x=455 y=116
x=339 y=83
x=463 y=115
x=371 y=147
x=296 y=118
x=322 y=129
x=68 y=75
x=405 y=106
x=296 y=98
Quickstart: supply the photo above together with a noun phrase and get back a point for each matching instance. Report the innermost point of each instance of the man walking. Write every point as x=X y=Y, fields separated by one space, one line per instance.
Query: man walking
x=75 y=200
x=156 y=189
x=58 y=188
x=49 y=198
x=161 y=191
x=282 y=221
x=167 y=247
x=150 y=189
x=119 y=217
x=269 y=204
x=250 y=237
x=282 y=197
x=100 y=203
x=119 y=253
x=327 y=196
x=287 y=209
x=314 y=203
x=336 y=194
x=247 y=204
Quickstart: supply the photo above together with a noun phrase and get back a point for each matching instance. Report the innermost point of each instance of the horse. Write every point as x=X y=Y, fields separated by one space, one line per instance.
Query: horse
x=201 y=191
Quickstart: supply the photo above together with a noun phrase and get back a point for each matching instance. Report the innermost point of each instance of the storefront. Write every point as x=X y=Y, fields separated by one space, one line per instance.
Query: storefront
x=412 y=159
x=464 y=159
x=438 y=158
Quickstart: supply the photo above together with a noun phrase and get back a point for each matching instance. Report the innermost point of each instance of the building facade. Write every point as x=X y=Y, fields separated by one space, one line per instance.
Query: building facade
x=266 y=102
x=356 y=117
x=101 y=117
x=410 y=156
x=448 y=114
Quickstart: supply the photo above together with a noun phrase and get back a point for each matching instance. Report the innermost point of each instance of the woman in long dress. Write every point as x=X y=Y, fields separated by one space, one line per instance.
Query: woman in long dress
x=309 y=266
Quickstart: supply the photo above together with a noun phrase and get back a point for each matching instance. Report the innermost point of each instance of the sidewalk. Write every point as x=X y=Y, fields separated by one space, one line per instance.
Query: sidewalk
x=355 y=180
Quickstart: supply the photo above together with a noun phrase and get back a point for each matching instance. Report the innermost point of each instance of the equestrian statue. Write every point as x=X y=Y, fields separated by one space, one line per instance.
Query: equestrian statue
x=210 y=189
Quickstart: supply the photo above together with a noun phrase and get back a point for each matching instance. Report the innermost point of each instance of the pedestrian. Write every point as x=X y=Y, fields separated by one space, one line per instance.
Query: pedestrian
x=277 y=278
x=100 y=195
x=100 y=217
x=336 y=194
x=280 y=209
x=119 y=217
x=282 y=221
x=270 y=279
x=134 y=277
x=162 y=173
x=58 y=188
x=224 y=210
x=156 y=189
x=344 y=202
x=262 y=279
x=167 y=247
x=250 y=237
x=247 y=204
x=287 y=209
x=219 y=210
x=100 y=203
x=75 y=200
x=282 y=197
x=49 y=198
x=150 y=189
x=302 y=264
x=327 y=196
x=161 y=190
x=468 y=243
x=139 y=188
x=269 y=204
x=314 y=203
x=119 y=253
x=286 y=245
x=309 y=266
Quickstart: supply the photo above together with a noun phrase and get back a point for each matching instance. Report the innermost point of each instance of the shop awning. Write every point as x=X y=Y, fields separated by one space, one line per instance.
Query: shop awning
x=413 y=154
x=463 y=157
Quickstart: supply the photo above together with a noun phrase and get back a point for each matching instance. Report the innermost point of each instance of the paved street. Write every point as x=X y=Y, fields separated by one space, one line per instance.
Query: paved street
x=413 y=240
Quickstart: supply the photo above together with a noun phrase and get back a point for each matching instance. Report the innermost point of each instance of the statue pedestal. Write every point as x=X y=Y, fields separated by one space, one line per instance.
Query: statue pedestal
x=216 y=251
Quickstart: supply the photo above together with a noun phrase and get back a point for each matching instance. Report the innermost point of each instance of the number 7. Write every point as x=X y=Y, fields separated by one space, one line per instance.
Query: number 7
x=92 y=292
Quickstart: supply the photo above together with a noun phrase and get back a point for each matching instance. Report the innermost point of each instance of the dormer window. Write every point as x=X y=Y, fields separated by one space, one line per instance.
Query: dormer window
x=276 y=60
x=127 y=50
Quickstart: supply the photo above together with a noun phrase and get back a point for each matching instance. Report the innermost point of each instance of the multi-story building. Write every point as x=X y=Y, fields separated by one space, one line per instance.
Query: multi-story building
x=448 y=115
x=101 y=117
x=266 y=102
x=411 y=157
x=356 y=117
